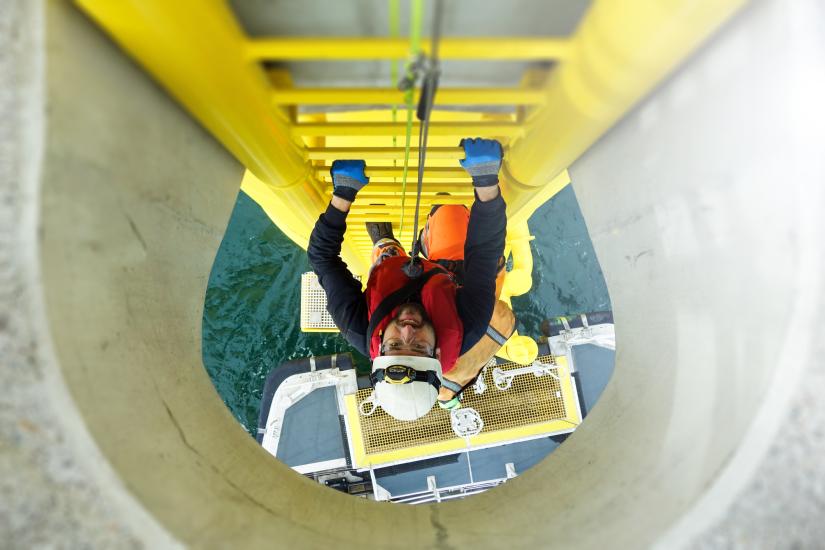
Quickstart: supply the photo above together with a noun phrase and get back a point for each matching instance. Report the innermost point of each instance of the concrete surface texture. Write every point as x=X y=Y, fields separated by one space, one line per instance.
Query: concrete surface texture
x=703 y=206
x=783 y=502
x=713 y=237
x=56 y=489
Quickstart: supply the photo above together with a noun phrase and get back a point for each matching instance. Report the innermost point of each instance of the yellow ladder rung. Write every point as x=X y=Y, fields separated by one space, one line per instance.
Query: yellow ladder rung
x=428 y=189
x=376 y=153
x=457 y=129
x=353 y=48
x=398 y=171
x=389 y=96
x=380 y=153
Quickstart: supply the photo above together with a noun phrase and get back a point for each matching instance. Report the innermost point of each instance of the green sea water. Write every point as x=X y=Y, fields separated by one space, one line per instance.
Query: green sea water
x=253 y=300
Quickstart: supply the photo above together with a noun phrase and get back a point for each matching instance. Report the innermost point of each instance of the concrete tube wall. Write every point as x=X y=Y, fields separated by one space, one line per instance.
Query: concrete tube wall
x=714 y=270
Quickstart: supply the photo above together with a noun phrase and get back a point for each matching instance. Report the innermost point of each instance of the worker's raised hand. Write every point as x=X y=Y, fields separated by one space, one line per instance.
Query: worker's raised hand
x=482 y=160
x=348 y=178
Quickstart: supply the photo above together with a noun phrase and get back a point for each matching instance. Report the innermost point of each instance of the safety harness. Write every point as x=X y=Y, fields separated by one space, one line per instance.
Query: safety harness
x=397 y=298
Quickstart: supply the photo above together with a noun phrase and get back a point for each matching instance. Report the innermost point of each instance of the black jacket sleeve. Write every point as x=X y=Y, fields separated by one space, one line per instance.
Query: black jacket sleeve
x=345 y=301
x=482 y=250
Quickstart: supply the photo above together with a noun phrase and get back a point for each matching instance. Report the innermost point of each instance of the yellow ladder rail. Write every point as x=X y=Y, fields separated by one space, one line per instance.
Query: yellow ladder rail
x=619 y=51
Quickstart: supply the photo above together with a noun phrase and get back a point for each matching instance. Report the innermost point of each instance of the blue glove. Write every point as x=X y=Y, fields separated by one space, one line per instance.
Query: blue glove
x=348 y=178
x=482 y=160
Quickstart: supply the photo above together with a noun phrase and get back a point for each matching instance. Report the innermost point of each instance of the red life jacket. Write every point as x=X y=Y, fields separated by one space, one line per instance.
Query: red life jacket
x=437 y=297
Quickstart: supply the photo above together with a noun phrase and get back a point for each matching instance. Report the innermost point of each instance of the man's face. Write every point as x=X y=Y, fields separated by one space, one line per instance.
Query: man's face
x=410 y=333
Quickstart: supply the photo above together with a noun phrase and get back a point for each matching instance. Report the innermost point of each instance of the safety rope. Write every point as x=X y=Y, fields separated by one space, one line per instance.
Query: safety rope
x=395 y=31
x=428 y=88
x=407 y=84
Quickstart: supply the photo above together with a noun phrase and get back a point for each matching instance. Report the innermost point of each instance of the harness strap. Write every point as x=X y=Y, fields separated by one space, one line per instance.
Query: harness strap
x=452 y=386
x=497 y=337
x=395 y=299
x=455 y=267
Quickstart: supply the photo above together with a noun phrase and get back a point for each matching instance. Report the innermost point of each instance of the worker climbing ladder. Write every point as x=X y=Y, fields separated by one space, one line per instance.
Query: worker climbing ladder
x=560 y=109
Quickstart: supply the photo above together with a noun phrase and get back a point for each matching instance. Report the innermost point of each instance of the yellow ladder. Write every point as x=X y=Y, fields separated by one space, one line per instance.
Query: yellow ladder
x=197 y=50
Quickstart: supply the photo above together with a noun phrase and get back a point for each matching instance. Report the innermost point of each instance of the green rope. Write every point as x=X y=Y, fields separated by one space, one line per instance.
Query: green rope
x=416 y=17
x=395 y=32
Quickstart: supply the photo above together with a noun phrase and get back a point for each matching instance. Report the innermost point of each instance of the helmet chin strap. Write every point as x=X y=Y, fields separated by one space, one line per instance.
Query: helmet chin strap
x=399 y=374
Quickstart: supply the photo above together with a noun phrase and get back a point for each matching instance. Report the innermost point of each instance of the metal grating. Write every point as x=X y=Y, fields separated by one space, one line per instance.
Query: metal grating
x=530 y=400
x=314 y=314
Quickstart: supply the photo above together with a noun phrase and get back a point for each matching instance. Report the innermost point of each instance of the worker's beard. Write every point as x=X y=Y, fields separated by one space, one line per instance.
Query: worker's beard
x=412 y=314
x=415 y=308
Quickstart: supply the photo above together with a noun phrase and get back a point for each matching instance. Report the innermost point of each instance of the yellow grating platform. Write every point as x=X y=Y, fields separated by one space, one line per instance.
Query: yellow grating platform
x=532 y=407
x=314 y=314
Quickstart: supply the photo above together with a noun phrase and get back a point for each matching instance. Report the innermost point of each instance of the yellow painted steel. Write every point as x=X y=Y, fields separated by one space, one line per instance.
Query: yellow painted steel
x=430 y=172
x=380 y=200
x=344 y=49
x=370 y=209
x=363 y=459
x=202 y=63
x=618 y=53
x=387 y=96
x=519 y=280
x=455 y=129
x=381 y=153
x=429 y=188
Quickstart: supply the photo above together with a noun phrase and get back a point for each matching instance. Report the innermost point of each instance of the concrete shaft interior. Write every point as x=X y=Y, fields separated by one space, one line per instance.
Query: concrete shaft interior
x=701 y=210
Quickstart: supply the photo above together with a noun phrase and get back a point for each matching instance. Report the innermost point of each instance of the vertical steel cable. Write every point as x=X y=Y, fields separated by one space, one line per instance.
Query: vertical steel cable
x=425 y=106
